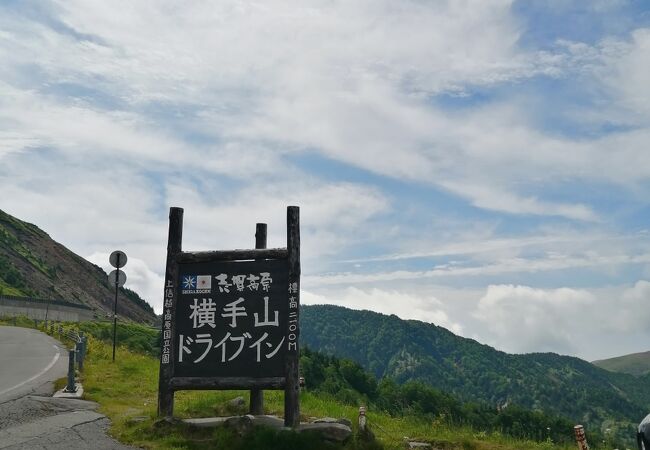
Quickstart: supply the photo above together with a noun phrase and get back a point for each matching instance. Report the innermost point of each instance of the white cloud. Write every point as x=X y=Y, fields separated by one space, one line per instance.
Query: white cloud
x=140 y=278
x=426 y=308
x=550 y=262
x=332 y=215
x=487 y=197
x=590 y=323
x=523 y=319
x=626 y=74
x=351 y=81
x=632 y=312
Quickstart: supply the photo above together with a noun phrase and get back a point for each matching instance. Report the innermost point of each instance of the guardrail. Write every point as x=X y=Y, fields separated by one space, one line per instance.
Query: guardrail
x=75 y=355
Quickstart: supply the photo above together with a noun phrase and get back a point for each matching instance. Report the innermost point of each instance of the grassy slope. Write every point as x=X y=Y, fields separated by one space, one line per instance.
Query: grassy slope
x=32 y=264
x=7 y=289
x=635 y=364
x=128 y=390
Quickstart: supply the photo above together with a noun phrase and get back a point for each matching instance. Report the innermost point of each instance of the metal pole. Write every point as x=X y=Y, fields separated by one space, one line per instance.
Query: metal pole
x=81 y=350
x=117 y=278
x=47 y=309
x=79 y=356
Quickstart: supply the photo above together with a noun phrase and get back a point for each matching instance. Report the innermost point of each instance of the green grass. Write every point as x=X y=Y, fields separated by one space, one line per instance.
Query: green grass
x=6 y=289
x=127 y=393
x=636 y=364
x=137 y=338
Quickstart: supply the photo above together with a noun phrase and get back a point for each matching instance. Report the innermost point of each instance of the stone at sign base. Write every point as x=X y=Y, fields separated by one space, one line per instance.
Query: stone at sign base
x=242 y=424
x=418 y=445
x=233 y=421
x=342 y=421
x=77 y=394
x=330 y=431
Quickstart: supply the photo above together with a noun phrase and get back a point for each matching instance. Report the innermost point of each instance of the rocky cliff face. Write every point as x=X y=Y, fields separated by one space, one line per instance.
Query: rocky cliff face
x=32 y=264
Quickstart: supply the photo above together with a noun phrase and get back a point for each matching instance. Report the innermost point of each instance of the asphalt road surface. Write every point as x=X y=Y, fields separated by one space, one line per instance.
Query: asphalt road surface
x=30 y=419
x=29 y=362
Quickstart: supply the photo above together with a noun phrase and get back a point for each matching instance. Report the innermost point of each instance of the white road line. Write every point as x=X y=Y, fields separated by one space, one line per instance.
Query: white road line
x=49 y=366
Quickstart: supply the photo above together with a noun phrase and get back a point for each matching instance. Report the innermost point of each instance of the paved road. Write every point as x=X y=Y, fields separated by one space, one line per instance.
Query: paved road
x=29 y=417
x=29 y=362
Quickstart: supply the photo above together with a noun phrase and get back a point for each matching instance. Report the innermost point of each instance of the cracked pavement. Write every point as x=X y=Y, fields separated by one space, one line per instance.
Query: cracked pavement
x=29 y=417
x=35 y=422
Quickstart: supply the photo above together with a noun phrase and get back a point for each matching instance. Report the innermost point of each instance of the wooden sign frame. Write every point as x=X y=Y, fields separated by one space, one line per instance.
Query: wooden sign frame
x=169 y=383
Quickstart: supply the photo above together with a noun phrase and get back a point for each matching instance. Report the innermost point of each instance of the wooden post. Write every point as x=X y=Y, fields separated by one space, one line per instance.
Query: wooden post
x=363 y=420
x=71 y=387
x=174 y=248
x=581 y=439
x=257 y=395
x=292 y=386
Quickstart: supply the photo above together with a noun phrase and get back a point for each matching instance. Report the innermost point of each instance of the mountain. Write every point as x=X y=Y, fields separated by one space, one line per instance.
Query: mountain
x=406 y=350
x=635 y=364
x=33 y=265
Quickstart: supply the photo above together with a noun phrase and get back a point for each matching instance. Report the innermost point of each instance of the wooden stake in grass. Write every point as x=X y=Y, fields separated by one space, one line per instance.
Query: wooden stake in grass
x=581 y=439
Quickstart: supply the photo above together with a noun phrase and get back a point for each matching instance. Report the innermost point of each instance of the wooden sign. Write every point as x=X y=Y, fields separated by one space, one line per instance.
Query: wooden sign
x=230 y=319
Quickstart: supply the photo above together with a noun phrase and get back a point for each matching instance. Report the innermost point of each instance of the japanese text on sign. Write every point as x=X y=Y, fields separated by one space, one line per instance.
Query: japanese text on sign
x=232 y=319
x=167 y=321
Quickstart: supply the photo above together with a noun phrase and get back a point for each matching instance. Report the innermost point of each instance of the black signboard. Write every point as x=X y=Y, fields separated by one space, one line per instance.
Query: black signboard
x=230 y=319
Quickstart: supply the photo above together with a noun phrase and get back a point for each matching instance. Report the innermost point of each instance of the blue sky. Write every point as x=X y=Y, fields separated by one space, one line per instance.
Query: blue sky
x=479 y=164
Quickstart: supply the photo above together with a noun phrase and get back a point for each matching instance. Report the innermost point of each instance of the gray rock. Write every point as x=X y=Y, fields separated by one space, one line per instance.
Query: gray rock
x=325 y=420
x=342 y=421
x=268 y=421
x=330 y=431
x=240 y=424
x=137 y=419
x=418 y=445
x=237 y=402
x=205 y=422
x=234 y=421
x=166 y=422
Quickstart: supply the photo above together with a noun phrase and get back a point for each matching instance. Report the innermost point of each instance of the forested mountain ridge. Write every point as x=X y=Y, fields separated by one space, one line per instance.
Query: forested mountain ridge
x=412 y=350
x=34 y=265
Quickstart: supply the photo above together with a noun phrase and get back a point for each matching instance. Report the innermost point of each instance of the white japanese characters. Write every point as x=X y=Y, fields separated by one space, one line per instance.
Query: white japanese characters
x=167 y=322
x=236 y=320
x=203 y=314
x=292 y=344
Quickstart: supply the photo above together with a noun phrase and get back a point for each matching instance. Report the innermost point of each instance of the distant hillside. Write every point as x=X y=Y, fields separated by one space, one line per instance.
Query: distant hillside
x=411 y=350
x=636 y=364
x=32 y=264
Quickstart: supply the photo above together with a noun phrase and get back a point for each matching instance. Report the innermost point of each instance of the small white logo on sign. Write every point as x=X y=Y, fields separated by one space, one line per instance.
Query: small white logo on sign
x=196 y=284
x=203 y=282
